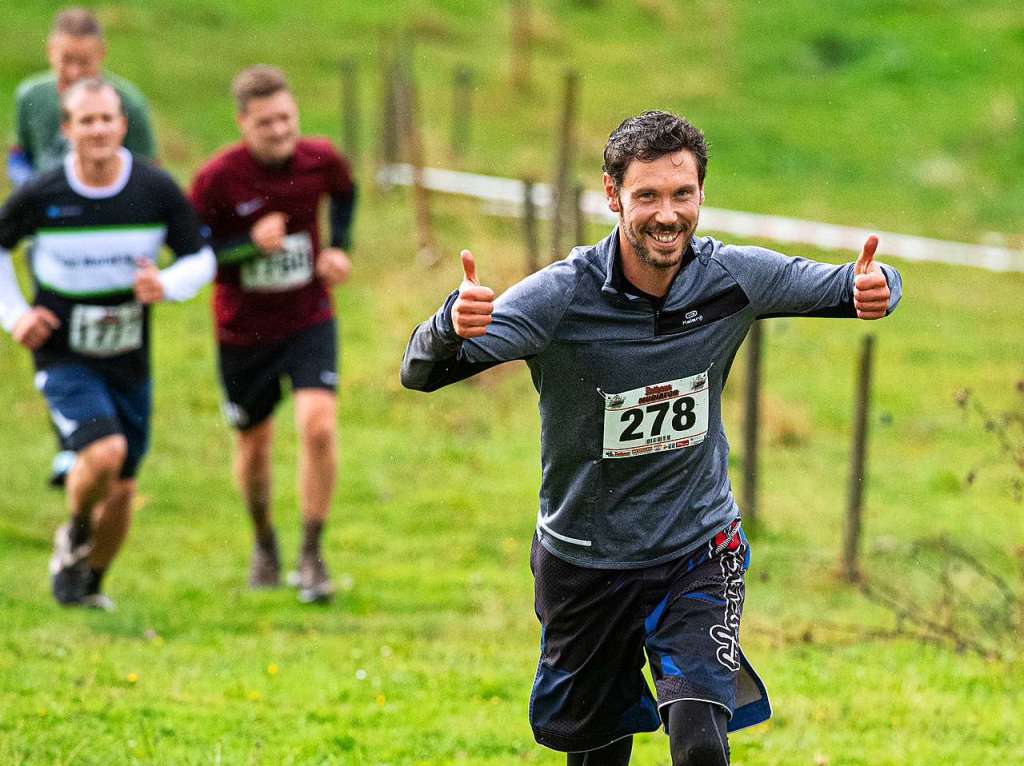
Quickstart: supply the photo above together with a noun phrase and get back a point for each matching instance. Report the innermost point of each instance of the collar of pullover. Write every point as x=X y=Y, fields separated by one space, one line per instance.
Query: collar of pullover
x=619 y=290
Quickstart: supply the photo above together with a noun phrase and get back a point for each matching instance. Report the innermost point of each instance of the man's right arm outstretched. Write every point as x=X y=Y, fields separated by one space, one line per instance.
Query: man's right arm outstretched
x=434 y=355
x=472 y=331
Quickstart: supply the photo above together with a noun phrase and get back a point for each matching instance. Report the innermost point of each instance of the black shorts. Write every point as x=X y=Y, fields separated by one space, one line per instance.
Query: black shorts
x=597 y=625
x=251 y=376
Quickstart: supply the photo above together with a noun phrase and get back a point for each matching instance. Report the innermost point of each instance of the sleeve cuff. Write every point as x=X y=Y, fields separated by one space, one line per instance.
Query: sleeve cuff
x=444 y=327
x=186 y=276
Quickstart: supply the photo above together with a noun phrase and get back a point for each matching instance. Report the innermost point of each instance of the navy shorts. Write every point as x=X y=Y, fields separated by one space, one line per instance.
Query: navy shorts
x=86 y=405
x=597 y=625
x=251 y=375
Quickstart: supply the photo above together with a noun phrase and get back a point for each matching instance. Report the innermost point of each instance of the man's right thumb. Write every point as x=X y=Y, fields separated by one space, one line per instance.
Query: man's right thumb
x=469 y=267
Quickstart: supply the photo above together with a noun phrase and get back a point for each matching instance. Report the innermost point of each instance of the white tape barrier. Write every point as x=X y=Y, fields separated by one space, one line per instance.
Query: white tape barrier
x=504 y=197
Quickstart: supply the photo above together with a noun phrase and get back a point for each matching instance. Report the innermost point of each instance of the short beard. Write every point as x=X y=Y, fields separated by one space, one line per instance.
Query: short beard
x=643 y=255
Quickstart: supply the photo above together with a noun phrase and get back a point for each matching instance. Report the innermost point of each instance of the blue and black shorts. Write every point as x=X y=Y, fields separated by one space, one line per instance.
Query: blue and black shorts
x=597 y=625
x=251 y=375
x=87 y=405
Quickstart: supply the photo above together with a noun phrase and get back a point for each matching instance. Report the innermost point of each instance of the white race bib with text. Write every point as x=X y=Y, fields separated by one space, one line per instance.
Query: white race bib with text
x=105 y=330
x=657 y=418
x=287 y=269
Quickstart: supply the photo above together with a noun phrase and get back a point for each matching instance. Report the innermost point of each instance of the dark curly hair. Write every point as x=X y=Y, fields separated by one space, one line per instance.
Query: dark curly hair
x=648 y=136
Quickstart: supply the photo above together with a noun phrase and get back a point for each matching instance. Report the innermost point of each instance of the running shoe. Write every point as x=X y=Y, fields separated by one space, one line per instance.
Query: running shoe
x=265 y=566
x=311 y=579
x=69 y=567
x=98 y=601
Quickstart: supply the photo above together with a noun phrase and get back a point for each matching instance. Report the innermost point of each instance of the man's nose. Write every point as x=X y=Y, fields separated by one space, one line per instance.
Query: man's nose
x=665 y=213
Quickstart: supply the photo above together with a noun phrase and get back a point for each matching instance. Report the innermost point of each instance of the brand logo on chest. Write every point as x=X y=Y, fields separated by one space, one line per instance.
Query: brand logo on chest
x=248 y=208
x=63 y=211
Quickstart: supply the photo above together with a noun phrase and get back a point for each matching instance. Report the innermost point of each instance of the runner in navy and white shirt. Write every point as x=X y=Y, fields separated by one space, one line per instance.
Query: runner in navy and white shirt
x=638 y=545
x=98 y=223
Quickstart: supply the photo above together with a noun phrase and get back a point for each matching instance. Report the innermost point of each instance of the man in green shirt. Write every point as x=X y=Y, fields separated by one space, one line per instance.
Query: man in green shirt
x=75 y=50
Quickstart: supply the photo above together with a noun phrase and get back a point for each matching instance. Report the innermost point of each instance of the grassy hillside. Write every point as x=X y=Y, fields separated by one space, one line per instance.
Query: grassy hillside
x=898 y=115
x=894 y=115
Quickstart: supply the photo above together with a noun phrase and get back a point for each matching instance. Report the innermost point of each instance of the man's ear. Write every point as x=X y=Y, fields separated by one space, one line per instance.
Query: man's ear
x=702 y=194
x=611 y=195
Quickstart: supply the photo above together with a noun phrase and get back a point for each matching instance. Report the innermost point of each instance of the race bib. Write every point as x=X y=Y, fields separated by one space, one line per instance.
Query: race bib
x=105 y=330
x=658 y=418
x=288 y=268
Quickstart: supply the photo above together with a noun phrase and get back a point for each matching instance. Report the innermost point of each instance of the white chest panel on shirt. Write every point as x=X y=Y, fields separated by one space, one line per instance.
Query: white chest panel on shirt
x=91 y=261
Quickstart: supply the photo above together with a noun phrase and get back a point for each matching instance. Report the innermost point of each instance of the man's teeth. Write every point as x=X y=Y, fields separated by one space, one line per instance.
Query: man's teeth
x=665 y=237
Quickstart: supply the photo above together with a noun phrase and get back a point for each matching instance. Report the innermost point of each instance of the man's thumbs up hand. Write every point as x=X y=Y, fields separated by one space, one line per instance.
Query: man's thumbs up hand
x=468 y=267
x=471 y=312
x=866 y=259
x=870 y=289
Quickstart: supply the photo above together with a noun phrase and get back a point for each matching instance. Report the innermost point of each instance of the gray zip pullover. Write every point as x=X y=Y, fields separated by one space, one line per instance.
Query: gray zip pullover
x=633 y=452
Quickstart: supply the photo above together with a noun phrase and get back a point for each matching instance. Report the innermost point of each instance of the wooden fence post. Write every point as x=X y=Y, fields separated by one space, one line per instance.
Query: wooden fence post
x=579 y=218
x=350 y=109
x=388 y=147
x=521 y=44
x=858 y=463
x=751 y=427
x=530 y=238
x=410 y=129
x=566 y=146
x=462 y=110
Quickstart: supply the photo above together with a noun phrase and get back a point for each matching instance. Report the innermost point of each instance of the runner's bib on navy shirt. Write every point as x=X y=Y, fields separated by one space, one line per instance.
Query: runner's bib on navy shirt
x=86 y=249
x=656 y=418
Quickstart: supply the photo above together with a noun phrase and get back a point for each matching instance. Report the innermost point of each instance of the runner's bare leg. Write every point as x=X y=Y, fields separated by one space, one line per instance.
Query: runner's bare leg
x=111 y=519
x=315 y=418
x=91 y=480
x=252 y=474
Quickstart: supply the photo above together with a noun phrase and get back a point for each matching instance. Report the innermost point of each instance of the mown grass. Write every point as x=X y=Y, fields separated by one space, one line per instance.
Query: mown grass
x=428 y=654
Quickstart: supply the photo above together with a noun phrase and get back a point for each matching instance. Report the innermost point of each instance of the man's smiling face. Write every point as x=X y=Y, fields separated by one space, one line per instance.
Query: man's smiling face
x=658 y=206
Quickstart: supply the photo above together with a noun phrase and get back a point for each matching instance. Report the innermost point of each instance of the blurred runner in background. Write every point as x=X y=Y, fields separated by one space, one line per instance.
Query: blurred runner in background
x=99 y=220
x=75 y=50
x=273 y=310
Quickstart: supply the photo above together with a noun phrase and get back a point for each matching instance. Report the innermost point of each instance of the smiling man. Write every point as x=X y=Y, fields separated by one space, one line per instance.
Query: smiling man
x=75 y=50
x=638 y=547
x=98 y=221
x=273 y=309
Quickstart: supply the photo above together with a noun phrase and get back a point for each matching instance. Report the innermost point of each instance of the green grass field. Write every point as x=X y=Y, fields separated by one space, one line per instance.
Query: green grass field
x=898 y=115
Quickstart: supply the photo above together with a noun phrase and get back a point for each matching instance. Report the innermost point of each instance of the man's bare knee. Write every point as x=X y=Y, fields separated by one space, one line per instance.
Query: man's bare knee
x=253 y=445
x=318 y=436
x=105 y=456
x=316 y=415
